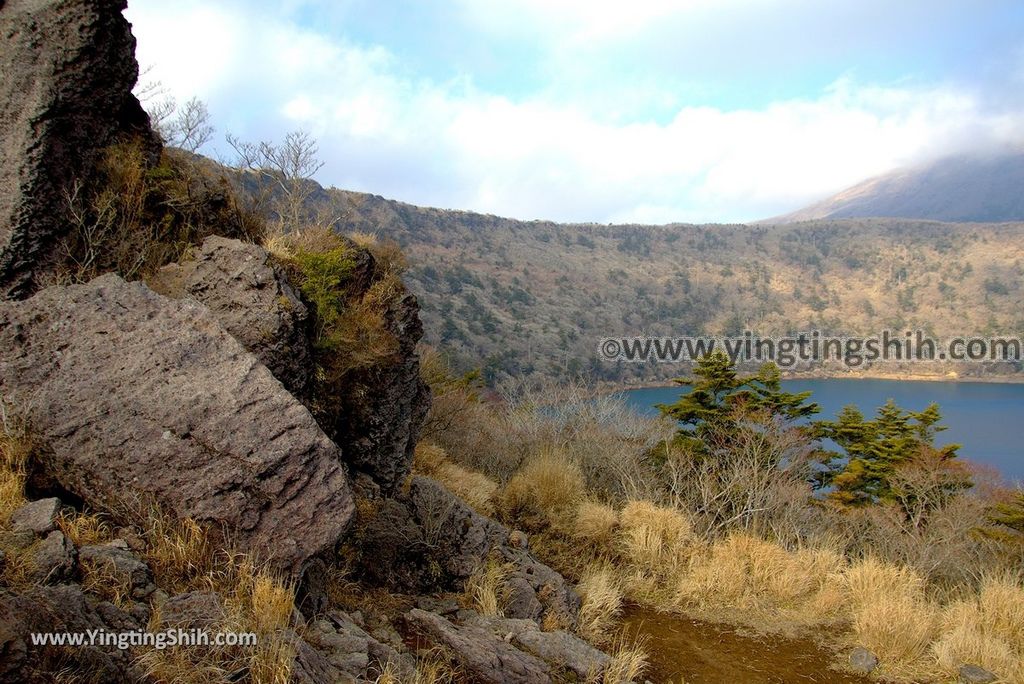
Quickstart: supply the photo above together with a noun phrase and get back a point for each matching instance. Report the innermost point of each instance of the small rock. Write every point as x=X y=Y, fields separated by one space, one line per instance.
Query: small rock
x=522 y=599
x=53 y=559
x=564 y=650
x=40 y=517
x=116 y=559
x=18 y=540
x=518 y=540
x=193 y=610
x=974 y=674
x=441 y=606
x=132 y=539
x=862 y=660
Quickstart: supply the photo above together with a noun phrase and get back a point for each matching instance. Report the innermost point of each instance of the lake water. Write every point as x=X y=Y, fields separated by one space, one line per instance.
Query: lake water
x=987 y=419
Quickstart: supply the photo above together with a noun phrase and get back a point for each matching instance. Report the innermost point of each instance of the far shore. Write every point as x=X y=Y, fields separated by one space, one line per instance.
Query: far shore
x=867 y=375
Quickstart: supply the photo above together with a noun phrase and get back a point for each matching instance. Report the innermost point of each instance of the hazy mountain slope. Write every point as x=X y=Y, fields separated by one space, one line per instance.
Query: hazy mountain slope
x=536 y=297
x=961 y=188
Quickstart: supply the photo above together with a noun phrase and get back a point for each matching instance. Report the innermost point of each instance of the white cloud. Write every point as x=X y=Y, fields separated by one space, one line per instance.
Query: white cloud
x=539 y=156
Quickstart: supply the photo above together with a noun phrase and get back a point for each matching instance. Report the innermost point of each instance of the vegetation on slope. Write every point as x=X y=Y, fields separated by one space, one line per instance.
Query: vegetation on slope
x=517 y=298
x=732 y=530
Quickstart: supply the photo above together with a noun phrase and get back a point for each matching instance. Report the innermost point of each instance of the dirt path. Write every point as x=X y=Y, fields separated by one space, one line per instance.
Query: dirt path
x=704 y=653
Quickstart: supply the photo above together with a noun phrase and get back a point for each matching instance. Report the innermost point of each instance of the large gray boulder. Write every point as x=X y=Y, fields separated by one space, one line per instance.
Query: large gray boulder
x=373 y=413
x=135 y=398
x=68 y=72
x=426 y=538
x=252 y=299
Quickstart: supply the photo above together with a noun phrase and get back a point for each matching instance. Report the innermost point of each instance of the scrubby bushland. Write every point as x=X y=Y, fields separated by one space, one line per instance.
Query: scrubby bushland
x=925 y=573
x=521 y=298
x=132 y=217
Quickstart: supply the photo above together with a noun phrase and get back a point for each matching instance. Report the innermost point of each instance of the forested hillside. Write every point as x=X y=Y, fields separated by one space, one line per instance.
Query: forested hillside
x=517 y=297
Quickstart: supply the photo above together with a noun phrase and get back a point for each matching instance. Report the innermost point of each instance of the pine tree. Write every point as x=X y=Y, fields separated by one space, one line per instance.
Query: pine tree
x=1008 y=520
x=874 y=449
x=717 y=391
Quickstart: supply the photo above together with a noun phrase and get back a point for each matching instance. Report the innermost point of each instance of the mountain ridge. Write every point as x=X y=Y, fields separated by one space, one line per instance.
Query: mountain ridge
x=982 y=188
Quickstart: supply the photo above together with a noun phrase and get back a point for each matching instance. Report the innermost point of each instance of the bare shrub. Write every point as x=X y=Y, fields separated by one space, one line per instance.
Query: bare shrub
x=754 y=478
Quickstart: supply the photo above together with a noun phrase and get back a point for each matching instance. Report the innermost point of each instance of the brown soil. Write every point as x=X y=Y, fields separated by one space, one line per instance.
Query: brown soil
x=695 y=652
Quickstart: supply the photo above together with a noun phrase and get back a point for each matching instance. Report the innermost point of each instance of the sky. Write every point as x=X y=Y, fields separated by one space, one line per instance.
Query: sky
x=651 y=111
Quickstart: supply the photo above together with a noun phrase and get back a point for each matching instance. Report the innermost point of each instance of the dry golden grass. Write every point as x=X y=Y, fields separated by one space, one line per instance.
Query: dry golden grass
x=485 y=588
x=85 y=529
x=765 y=581
x=629 y=661
x=545 y=491
x=428 y=458
x=654 y=537
x=654 y=543
x=602 y=603
x=15 y=449
x=102 y=579
x=898 y=630
x=179 y=552
x=870 y=580
x=476 y=489
x=987 y=630
x=595 y=524
x=431 y=668
x=388 y=255
x=255 y=602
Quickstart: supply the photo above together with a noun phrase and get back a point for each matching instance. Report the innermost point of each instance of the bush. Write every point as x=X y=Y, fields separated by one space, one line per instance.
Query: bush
x=350 y=302
x=132 y=217
x=544 y=493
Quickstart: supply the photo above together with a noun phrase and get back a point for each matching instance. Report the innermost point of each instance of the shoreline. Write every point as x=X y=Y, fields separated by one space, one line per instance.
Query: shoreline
x=819 y=375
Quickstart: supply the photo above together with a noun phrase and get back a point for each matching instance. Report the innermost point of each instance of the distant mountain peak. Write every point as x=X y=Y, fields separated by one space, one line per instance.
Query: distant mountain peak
x=962 y=188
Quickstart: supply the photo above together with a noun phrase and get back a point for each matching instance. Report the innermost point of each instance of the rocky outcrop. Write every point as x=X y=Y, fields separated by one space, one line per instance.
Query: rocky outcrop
x=68 y=71
x=484 y=656
x=135 y=398
x=373 y=413
x=57 y=610
x=427 y=537
x=560 y=649
x=377 y=420
x=249 y=295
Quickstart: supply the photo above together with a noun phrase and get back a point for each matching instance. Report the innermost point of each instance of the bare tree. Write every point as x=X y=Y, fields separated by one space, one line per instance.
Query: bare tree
x=191 y=128
x=284 y=171
x=754 y=478
x=157 y=102
x=187 y=127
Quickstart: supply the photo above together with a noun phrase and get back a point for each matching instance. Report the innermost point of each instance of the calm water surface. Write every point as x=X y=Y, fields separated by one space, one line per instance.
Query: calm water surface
x=987 y=419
